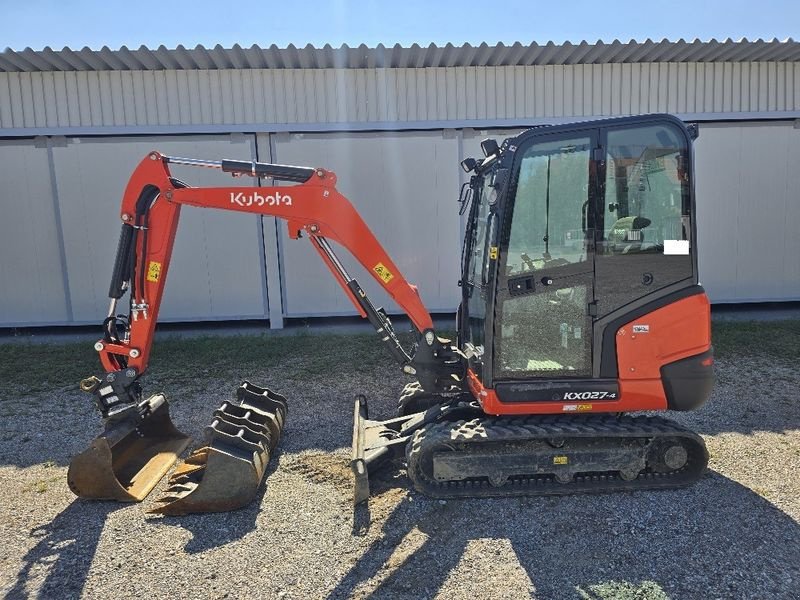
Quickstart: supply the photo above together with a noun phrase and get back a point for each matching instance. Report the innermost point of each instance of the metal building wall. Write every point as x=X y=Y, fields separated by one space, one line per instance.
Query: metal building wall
x=748 y=211
x=60 y=195
x=61 y=223
x=286 y=99
x=33 y=288
x=405 y=186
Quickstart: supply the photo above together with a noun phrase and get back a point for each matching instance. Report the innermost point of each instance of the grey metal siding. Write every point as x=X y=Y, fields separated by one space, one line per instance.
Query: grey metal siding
x=264 y=97
x=748 y=210
x=405 y=186
x=414 y=56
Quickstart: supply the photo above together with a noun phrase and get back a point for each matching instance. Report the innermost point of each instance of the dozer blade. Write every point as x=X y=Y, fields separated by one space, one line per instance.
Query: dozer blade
x=378 y=443
x=358 y=464
x=226 y=473
x=129 y=458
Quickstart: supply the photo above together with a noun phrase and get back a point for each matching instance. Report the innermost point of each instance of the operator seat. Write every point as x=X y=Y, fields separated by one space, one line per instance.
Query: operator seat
x=627 y=235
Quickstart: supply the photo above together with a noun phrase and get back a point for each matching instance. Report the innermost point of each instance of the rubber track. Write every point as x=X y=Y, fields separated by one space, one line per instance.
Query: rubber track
x=449 y=435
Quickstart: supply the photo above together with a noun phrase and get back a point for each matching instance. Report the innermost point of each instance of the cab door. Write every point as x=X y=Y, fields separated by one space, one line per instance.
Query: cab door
x=545 y=280
x=644 y=217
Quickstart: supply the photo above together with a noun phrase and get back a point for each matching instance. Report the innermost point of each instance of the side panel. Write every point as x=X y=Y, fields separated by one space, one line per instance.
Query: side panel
x=676 y=331
x=644 y=345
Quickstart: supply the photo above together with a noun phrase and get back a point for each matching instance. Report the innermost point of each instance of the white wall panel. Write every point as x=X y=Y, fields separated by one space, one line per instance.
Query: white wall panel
x=31 y=274
x=405 y=186
x=748 y=207
x=216 y=270
x=717 y=180
x=791 y=237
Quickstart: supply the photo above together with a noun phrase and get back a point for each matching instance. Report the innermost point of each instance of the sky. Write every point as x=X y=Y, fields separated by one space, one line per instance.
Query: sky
x=112 y=23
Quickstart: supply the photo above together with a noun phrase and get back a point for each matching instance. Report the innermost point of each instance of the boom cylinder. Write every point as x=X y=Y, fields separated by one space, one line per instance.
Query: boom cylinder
x=246 y=167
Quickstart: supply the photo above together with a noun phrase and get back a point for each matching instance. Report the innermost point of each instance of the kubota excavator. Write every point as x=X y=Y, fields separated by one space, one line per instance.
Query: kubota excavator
x=580 y=303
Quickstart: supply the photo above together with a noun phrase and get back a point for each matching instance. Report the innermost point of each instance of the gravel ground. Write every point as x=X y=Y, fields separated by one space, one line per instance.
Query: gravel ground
x=733 y=535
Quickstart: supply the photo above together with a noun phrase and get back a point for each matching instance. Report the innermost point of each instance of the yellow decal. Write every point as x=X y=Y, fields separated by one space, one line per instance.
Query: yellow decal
x=384 y=273
x=153 y=271
x=493 y=252
x=582 y=407
x=560 y=460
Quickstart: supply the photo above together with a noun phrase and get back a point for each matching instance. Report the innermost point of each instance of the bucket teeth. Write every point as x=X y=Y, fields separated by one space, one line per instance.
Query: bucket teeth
x=225 y=473
x=197 y=457
x=187 y=469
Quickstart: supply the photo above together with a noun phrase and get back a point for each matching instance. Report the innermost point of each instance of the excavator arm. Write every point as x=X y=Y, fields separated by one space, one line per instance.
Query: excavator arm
x=151 y=210
x=312 y=207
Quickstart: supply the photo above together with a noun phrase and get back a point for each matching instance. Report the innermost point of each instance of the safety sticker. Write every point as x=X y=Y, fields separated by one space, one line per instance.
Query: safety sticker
x=641 y=329
x=584 y=407
x=576 y=407
x=153 y=271
x=384 y=273
x=676 y=247
x=560 y=460
x=493 y=252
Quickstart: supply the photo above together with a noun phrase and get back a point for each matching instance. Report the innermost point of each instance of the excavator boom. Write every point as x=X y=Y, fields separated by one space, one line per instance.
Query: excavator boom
x=313 y=207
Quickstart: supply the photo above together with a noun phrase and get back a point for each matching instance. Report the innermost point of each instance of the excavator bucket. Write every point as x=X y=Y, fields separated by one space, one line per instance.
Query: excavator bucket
x=225 y=474
x=129 y=458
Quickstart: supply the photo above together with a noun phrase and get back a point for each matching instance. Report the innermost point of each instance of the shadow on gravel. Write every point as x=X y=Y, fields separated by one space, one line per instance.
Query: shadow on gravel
x=64 y=551
x=731 y=543
x=750 y=395
x=222 y=528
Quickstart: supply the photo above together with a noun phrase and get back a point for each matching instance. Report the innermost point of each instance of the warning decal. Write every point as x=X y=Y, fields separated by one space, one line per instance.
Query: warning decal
x=384 y=273
x=153 y=271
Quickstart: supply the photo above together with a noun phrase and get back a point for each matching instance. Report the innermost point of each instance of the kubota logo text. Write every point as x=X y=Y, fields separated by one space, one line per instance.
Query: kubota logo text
x=276 y=199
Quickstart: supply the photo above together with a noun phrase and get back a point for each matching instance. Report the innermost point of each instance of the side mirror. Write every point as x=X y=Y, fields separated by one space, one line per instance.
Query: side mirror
x=469 y=164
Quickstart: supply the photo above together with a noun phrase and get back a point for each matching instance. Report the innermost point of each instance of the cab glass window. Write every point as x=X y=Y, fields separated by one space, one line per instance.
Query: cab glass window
x=644 y=237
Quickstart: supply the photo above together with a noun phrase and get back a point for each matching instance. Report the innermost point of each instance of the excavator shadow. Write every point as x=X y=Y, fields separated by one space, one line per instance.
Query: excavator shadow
x=386 y=486
x=63 y=551
x=733 y=408
x=715 y=539
x=66 y=545
x=227 y=527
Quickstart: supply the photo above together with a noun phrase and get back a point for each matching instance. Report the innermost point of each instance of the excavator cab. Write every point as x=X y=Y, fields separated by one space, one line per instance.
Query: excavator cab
x=575 y=231
x=580 y=303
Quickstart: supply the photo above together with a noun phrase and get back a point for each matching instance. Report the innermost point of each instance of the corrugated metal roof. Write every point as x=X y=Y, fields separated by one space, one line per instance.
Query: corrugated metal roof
x=309 y=57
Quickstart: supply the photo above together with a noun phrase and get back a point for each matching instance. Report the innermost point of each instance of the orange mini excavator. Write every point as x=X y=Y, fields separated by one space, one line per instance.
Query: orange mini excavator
x=580 y=303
